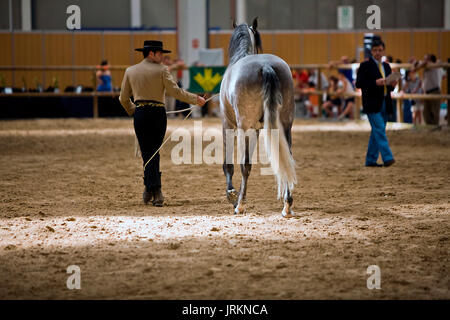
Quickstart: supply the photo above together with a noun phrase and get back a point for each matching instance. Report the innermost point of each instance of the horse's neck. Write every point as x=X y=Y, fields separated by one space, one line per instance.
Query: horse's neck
x=238 y=56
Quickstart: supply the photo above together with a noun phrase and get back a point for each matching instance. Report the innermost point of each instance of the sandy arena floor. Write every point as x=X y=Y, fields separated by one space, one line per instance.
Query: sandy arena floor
x=71 y=195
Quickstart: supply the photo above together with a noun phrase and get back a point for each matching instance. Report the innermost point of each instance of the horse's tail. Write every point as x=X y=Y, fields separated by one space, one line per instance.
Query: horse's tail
x=277 y=150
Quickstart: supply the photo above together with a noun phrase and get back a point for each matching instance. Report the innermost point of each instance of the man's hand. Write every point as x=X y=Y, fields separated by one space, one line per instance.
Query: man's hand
x=393 y=83
x=380 y=82
x=200 y=101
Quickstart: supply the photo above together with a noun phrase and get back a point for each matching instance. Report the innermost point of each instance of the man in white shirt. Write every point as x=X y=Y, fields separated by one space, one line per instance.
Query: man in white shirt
x=432 y=79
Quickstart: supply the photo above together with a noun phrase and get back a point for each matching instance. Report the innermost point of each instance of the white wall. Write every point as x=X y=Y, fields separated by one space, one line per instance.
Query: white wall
x=191 y=25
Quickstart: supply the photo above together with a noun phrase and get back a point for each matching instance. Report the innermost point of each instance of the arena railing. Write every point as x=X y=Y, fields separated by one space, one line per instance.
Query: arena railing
x=94 y=94
x=319 y=67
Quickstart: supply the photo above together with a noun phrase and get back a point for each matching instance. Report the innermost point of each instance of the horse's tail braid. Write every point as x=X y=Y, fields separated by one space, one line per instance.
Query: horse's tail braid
x=277 y=148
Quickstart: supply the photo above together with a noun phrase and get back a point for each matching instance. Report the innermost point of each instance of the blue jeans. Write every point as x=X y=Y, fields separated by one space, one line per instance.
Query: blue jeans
x=378 y=142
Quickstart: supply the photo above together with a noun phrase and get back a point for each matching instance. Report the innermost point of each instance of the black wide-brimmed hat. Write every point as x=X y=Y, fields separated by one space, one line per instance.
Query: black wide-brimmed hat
x=153 y=45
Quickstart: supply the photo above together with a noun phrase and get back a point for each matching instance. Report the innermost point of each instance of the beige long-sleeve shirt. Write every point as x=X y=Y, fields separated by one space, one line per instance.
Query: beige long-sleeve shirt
x=150 y=81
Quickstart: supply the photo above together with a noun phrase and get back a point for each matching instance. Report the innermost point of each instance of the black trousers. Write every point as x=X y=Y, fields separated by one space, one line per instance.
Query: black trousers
x=432 y=108
x=150 y=124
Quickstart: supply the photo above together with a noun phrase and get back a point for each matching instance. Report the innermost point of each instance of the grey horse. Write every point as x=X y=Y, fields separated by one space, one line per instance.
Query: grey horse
x=257 y=92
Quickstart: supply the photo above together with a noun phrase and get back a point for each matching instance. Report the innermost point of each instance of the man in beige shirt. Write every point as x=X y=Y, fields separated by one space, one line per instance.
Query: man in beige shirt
x=432 y=80
x=148 y=82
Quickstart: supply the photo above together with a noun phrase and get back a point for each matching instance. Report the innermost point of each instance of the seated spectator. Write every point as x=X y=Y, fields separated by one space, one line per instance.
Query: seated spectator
x=313 y=78
x=333 y=100
x=346 y=91
x=300 y=78
x=347 y=72
x=312 y=103
x=103 y=76
x=413 y=84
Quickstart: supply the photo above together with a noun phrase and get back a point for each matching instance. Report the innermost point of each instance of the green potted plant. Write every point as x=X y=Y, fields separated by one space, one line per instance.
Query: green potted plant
x=55 y=84
x=37 y=84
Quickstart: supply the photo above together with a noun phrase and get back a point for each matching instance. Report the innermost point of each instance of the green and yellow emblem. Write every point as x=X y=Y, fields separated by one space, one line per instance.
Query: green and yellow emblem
x=205 y=79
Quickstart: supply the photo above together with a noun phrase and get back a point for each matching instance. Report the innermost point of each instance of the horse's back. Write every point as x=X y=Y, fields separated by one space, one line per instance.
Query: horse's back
x=264 y=58
x=253 y=63
x=247 y=72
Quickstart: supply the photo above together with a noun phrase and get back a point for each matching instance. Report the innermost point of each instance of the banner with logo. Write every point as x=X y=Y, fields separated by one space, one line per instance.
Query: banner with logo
x=205 y=79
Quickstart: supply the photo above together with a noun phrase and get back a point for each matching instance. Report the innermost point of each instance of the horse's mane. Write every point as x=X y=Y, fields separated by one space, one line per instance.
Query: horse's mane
x=241 y=43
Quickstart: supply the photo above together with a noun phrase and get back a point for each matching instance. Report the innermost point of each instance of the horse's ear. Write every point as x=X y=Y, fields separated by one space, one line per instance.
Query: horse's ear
x=234 y=24
x=255 y=23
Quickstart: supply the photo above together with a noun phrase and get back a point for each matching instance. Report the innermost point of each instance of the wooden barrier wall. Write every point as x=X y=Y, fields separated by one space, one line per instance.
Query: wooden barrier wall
x=72 y=49
x=89 y=48
x=6 y=58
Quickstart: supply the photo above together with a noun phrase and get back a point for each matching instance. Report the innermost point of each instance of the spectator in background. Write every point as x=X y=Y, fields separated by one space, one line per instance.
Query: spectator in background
x=377 y=103
x=413 y=84
x=300 y=78
x=313 y=78
x=103 y=76
x=347 y=72
x=406 y=115
x=313 y=85
x=333 y=100
x=312 y=101
x=349 y=101
x=179 y=65
x=170 y=101
x=432 y=79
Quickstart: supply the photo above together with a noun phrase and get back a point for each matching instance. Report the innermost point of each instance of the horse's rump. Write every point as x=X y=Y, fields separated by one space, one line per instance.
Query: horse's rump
x=243 y=85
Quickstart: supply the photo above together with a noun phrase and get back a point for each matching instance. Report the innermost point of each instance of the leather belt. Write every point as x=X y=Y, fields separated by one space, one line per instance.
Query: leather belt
x=150 y=103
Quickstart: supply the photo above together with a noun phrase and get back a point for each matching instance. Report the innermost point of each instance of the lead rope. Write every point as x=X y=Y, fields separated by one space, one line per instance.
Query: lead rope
x=136 y=145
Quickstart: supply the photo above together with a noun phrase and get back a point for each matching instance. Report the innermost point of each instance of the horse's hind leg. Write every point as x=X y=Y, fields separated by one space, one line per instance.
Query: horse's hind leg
x=232 y=195
x=228 y=170
x=246 y=167
x=288 y=200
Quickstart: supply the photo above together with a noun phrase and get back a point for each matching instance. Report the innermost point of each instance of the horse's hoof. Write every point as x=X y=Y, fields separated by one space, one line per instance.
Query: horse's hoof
x=287 y=214
x=239 y=210
x=232 y=196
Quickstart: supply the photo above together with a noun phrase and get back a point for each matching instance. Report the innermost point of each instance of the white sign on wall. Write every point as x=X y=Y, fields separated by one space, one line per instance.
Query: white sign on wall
x=345 y=17
x=211 y=57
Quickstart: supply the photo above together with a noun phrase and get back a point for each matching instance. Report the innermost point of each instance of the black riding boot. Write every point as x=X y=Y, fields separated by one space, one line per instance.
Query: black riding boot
x=147 y=195
x=158 y=200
